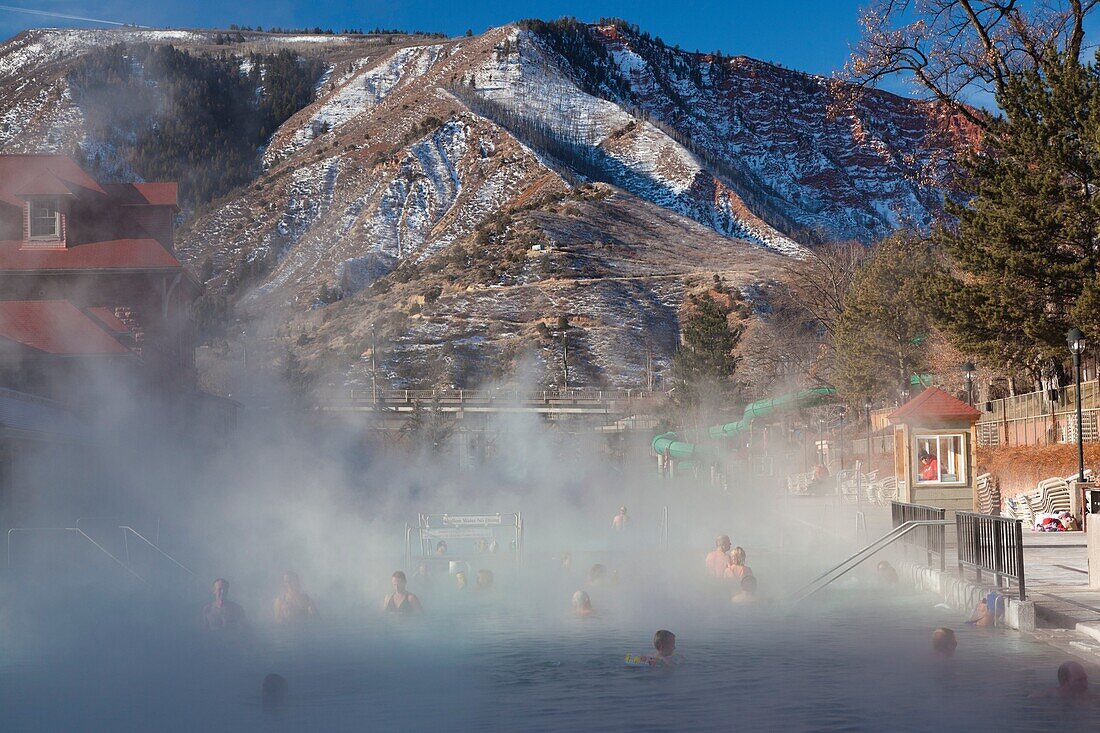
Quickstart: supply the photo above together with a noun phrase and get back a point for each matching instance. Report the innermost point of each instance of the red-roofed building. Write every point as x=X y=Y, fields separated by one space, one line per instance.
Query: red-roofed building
x=934 y=451
x=89 y=270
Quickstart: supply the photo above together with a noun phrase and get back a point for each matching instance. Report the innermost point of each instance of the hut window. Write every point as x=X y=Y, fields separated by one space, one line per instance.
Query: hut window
x=45 y=217
x=941 y=459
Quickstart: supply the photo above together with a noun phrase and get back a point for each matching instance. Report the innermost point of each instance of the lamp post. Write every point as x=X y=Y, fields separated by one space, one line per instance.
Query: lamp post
x=867 y=417
x=968 y=370
x=1076 y=341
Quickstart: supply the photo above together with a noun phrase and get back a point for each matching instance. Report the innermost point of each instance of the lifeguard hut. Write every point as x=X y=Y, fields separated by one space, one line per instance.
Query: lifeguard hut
x=934 y=451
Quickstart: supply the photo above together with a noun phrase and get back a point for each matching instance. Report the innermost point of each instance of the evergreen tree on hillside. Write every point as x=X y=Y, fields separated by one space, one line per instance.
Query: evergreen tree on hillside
x=1025 y=246
x=193 y=118
x=705 y=363
x=880 y=331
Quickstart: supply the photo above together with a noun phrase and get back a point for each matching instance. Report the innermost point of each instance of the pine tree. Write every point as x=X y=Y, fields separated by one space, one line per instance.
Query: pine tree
x=705 y=363
x=1025 y=246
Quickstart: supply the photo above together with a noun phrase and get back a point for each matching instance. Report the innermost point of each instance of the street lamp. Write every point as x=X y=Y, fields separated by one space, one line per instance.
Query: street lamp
x=867 y=414
x=968 y=370
x=1076 y=341
x=373 y=365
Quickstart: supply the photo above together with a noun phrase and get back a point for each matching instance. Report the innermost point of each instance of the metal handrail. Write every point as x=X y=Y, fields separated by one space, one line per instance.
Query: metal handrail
x=141 y=537
x=81 y=533
x=932 y=541
x=852 y=562
x=991 y=544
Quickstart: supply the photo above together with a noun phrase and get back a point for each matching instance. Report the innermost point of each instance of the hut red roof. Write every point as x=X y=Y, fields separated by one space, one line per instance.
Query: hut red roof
x=933 y=404
x=55 y=327
x=27 y=175
x=122 y=254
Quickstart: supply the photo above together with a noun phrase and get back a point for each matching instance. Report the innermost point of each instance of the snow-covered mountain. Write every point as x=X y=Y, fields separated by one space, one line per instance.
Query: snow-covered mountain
x=461 y=192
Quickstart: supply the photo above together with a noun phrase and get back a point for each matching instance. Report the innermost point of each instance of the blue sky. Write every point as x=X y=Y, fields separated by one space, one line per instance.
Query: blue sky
x=811 y=36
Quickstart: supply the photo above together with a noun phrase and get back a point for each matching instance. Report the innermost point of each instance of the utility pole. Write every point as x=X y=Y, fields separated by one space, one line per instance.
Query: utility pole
x=648 y=368
x=373 y=365
x=565 y=356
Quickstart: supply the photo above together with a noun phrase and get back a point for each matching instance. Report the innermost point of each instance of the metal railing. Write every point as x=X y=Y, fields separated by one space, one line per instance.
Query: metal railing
x=991 y=545
x=80 y=533
x=850 y=564
x=931 y=539
x=482 y=396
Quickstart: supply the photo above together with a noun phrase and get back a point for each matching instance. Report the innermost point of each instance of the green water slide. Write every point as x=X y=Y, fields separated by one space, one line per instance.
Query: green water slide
x=681 y=451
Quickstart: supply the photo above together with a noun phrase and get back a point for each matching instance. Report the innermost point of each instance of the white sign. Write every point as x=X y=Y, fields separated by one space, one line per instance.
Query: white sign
x=467 y=520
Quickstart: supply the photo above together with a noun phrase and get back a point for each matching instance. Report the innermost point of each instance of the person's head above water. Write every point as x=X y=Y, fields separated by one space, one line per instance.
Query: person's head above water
x=399 y=581
x=748 y=584
x=221 y=590
x=291 y=581
x=441 y=548
x=273 y=691
x=886 y=573
x=737 y=556
x=484 y=579
x=944 y=642
x=1073 y=680
x=460 y=579
x=664 y=641
x=581 y=601
x=723 y=543
x=597 y=573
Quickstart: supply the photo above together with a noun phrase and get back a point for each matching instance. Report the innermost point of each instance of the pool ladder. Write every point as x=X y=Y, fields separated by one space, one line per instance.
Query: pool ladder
x=852 y=562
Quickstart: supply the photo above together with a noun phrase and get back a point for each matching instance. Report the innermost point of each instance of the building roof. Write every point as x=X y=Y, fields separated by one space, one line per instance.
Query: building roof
x=122 y=254
x=55 y=327
x=27 y=175
x=30 y=416
x=934 y=405
x=108 y=320
x=144 y=194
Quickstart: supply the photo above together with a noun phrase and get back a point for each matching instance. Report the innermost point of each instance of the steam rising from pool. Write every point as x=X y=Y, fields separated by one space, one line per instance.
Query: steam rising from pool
x=83 y=647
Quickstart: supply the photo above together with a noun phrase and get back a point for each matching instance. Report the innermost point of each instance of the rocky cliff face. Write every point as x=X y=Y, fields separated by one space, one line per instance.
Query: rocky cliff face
x=463 y=194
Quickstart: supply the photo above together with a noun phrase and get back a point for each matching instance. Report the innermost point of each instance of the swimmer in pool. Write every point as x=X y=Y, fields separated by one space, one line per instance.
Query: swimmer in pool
x=597 y=575
x=222 y=613
x=273 y=691
x=944 y=643
x=719 y=557
x=441 y=548
x=737 y=569
x=460 y=580
x=664 y=641
x=984 y=616
x=484 y=580
x=886 y=574
x=582 y=604
x=401 y=601
x=747 y=593
x=293 y=604
x=1073 y=685
x=618 y=523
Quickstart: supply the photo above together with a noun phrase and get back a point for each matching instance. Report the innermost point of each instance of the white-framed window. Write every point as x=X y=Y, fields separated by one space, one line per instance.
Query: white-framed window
x=45 y=219
x=940 y=459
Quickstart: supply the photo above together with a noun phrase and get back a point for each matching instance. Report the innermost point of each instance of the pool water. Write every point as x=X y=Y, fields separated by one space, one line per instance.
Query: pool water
x=514 y=659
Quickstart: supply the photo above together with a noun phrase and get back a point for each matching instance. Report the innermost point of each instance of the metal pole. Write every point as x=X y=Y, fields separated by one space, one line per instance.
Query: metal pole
x=565 y=357
x=868 y=410
x=1080 y=438
x=373 y=364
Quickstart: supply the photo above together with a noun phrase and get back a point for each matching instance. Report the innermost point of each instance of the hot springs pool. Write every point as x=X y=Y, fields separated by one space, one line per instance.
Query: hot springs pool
x=513 y=659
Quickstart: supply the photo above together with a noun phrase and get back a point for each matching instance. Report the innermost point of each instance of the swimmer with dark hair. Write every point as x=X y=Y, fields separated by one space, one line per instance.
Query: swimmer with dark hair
x=747 y=592
x=1073 y=686
x=273 y=691
x=597 y=575
x=737 y=569
x=582 y=604
x=401 y=601
x=944 y=643
x=664 y=641
x=293 y=604
x=222 y=613
x=885 y=573
x=441 y=548
x=719 y=557
x=484 y=580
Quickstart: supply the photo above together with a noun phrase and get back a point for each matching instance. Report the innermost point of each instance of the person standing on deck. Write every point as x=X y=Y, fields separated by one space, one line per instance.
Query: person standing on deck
x=619 y=522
